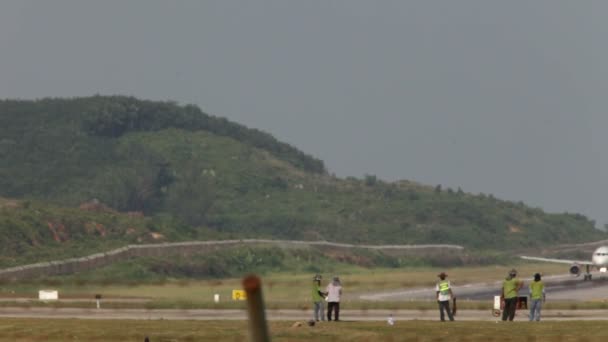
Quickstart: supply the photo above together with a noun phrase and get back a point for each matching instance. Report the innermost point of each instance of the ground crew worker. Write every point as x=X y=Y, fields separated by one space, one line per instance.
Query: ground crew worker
x=443 y=290
x=334 y=292
x=510 y=289
x=318 y=298
x=537 y=297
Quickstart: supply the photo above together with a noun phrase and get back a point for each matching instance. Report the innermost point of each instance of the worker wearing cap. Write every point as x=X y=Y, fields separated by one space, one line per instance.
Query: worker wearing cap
x=537 y=297
x=443 y=290
x=510 y=289
x=318 y=298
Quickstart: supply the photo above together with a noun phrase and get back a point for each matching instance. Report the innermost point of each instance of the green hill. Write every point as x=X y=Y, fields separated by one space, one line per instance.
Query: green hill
x=192 y=175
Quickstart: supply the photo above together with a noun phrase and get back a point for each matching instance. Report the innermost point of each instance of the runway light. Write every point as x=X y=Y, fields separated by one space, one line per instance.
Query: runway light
x=603 y=269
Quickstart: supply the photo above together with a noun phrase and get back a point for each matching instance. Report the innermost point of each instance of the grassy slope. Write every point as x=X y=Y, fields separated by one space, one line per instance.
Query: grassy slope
x=32 y=231
x=224 y=180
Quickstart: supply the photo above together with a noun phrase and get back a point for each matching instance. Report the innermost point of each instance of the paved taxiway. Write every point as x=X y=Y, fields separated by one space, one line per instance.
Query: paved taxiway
x=281 y=315
x=559 y=287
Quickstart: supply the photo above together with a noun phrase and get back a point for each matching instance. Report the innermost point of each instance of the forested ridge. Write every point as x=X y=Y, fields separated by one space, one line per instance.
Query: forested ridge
x=158 y=171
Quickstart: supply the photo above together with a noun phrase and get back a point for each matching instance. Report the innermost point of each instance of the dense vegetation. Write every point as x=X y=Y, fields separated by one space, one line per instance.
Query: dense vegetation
x=194 y=176
x=237 y=261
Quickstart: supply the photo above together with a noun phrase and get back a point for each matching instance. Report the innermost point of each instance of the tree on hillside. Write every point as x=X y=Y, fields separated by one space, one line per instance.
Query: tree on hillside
x=192 y=196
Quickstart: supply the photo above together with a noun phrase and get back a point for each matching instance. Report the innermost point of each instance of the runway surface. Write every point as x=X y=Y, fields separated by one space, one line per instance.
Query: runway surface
x=560 y=287
x=283 y=315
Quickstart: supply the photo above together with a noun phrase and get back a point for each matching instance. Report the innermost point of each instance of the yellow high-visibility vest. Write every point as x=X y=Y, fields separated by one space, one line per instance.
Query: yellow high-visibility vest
x=444 y=286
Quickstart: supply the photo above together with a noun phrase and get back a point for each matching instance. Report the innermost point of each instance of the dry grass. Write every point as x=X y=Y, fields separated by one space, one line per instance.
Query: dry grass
x=33 y=330
x=9 y=203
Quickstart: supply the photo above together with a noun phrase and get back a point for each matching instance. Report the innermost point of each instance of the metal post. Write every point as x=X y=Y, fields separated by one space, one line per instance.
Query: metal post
x=258 y=328
x=98 y=300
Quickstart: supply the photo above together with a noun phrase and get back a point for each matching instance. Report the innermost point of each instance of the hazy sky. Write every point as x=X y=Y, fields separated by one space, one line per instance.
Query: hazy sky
x=500 y=97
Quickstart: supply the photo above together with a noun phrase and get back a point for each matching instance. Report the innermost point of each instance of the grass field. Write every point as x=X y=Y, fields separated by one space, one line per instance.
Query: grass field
x=293 y=291
x=285 y=290
x=30 y=330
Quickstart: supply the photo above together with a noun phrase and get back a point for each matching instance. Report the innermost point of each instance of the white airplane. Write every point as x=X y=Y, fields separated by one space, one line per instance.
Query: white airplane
x=599 y=260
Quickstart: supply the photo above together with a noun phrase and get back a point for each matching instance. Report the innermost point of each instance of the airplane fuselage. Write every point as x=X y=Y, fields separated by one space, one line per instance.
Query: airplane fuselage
x=600 y=257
